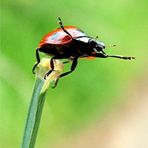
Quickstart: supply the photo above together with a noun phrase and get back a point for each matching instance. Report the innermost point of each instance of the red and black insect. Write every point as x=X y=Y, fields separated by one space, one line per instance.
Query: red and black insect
x=69 y=42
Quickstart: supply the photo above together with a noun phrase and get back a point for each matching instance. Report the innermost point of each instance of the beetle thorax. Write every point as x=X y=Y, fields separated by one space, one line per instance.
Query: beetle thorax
x=83 y=39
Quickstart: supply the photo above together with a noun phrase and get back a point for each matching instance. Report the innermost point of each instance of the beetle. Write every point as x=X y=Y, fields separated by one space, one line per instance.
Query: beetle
x=69 y=42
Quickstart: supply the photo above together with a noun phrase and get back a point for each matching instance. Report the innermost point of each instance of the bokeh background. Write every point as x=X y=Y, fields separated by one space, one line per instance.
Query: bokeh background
x=104 y=103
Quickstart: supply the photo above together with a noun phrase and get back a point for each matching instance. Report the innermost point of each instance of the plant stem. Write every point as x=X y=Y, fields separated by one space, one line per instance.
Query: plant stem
x=34 y=115
x=38 y=98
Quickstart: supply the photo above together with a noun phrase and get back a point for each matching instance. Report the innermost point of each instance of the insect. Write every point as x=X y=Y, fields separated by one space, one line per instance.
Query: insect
x=69 y=42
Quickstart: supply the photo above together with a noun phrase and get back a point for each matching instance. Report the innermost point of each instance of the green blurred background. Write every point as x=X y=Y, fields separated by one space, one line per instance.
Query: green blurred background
x=96 y=86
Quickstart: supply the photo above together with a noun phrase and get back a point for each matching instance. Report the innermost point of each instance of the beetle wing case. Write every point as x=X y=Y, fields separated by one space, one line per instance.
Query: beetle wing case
x=59 y=37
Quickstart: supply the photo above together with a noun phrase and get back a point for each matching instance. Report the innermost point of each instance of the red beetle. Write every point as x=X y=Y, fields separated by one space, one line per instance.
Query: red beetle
x=69 y=42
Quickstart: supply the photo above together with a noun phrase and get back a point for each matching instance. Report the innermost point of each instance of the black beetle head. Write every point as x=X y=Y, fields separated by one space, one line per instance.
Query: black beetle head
x=96 y=45
x=99 y=46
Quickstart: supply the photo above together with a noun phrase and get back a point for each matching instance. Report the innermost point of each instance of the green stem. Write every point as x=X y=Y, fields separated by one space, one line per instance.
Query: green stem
x=34 y=115
x=38 y=99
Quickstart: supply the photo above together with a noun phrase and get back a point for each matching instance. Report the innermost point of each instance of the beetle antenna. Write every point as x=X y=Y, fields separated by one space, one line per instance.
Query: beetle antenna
x=61 y=25
x=96 y=37
x=111 y=46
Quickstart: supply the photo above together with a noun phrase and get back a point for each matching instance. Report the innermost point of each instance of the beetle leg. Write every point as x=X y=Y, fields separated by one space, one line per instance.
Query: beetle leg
x=55 y=83
x=61 y=25
x=103 y=55
x=52 y=67
x=73 y=66
x=121 y=57
x=38 y=60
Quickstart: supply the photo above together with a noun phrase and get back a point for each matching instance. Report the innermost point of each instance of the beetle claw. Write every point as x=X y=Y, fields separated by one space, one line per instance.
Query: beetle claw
x=55 y=83
x=45 y=76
